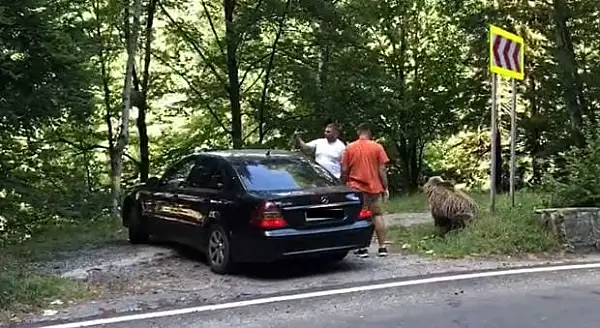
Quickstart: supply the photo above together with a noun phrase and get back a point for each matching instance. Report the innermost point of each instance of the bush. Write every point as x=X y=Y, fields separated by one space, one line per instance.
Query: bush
x=22 y=289
x=510 y=231
x=578 y=183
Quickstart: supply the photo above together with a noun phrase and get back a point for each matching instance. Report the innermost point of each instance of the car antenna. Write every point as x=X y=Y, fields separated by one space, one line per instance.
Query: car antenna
x=268 y=152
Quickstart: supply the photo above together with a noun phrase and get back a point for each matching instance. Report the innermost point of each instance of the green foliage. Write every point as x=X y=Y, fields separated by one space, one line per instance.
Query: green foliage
x=461 y=158
x=44 y=65
x=510 y=231
x=417 y=202
x=65 y=237
x=24 y=289
x=577 y=184
x=46 y=181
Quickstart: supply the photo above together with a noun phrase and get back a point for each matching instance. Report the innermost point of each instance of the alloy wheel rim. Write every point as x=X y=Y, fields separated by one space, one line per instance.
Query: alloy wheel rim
x=216 y=248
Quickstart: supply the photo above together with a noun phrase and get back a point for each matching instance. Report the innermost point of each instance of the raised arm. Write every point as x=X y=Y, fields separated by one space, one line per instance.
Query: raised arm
x=307 y=148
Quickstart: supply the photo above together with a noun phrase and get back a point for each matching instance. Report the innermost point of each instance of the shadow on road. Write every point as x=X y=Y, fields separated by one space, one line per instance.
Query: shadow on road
x=281 y=270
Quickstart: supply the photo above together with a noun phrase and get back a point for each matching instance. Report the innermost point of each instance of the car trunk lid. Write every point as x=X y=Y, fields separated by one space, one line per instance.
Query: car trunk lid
x=318 y=207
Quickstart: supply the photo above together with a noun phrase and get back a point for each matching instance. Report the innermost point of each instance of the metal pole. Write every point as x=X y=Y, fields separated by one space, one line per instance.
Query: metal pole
x=513 y=140
x=493 y=132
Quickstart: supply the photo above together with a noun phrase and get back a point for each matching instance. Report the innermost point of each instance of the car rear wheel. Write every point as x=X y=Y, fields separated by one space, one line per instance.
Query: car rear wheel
x=137 y=230
x=218 y=250
x=333 y=258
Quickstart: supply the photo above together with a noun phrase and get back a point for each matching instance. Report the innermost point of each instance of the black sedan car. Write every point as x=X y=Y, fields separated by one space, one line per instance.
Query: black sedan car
x=255 y=205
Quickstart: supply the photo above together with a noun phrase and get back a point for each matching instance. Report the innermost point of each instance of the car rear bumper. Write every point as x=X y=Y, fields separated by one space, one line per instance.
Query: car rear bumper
x=268 y=246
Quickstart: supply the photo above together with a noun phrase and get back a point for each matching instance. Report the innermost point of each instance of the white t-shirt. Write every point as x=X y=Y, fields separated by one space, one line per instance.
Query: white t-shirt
x=329 y=155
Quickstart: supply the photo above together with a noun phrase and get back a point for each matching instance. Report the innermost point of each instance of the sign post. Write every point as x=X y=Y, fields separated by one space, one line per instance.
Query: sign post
x=513 y=140
x=506 y=59
x=493 y=131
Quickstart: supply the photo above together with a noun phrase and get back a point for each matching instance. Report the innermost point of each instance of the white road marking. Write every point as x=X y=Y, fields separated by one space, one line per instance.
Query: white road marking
x=331 y=292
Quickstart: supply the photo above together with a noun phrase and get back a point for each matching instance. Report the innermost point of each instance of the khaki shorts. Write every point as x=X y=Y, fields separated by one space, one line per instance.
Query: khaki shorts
x=373 y=202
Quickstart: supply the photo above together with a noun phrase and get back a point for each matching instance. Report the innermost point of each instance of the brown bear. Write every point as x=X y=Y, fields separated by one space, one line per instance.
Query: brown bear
x=450 y=208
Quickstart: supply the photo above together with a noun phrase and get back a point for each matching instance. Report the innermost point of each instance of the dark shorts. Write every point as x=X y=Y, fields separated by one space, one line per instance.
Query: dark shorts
x=373 y=202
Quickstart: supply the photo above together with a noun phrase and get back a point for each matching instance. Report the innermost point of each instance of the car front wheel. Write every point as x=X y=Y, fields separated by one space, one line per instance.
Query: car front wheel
x=218 y=250
x=137 y=230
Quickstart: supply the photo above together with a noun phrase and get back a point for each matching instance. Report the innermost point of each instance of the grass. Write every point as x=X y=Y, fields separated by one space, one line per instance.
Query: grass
x=23 y=289
x=417 y=202
x=509 y=231
x=46 y=242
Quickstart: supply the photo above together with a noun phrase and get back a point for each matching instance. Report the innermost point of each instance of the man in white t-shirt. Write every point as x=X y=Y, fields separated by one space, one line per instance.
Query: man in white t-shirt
x=328 y=151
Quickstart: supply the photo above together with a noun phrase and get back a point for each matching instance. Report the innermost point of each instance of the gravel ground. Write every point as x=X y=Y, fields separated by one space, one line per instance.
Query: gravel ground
x=133 y=278
x=535 y=300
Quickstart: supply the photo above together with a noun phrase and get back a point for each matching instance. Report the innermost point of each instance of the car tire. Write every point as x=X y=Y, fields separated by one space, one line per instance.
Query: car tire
x=137 y=229
x=218 y=250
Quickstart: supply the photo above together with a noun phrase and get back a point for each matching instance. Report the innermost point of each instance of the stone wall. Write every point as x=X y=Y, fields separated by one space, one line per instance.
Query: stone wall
x=577 y=227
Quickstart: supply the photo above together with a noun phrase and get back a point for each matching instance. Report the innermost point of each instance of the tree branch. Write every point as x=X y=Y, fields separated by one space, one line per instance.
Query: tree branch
x=196 y=91
x=254 y=131
x=255 y=80
x=104 y=77
x=243 y=34
x=194 y=45
x=282 y=120
x=263 y=98
x=212 y=27
x=86 y=148
x=253 y=65
x=147 y=47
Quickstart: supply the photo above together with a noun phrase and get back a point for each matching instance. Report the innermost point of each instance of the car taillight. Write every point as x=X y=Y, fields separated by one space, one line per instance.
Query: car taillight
x=268 y=216
x=365 y=214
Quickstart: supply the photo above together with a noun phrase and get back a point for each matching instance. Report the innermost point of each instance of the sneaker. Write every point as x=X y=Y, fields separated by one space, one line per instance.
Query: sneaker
x=382 y=251
x=363 y=252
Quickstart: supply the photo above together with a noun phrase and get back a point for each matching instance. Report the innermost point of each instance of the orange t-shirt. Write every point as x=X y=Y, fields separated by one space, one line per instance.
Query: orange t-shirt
x=362 y=159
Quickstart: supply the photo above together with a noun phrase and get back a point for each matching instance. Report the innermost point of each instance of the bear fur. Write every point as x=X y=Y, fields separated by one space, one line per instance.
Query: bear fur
x=450 y=208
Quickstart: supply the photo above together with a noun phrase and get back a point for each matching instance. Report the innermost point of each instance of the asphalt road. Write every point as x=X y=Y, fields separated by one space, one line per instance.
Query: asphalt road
x=557 y=299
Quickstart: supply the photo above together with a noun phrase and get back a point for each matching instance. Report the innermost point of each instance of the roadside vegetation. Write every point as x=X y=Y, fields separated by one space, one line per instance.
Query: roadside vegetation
x=417 y=202
x=24 y=288
x=509 y=231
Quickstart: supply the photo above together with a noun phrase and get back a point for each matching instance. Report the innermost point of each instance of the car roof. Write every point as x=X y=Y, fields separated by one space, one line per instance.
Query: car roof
x=240 y=154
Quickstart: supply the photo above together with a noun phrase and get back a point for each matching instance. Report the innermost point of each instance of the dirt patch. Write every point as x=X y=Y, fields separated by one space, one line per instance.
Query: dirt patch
x=133 y=278
x=184 y=279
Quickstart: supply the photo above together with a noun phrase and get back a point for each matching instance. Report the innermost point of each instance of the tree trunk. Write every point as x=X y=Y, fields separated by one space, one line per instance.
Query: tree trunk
x=232 y=40
x=572 y=86
x=143 y=143
x=410 y=154
x=143 y=102
x=414 y=169
x=323 y=78
x=263 y=99
x=105 y=88
x=324 y=33
x=535 y=135
x=498 y=155
x=123 y=138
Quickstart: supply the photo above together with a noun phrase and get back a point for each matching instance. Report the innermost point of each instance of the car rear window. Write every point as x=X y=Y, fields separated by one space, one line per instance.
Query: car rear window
x=282 y=174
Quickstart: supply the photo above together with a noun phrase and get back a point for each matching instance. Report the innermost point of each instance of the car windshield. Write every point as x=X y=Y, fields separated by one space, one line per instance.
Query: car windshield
x=282 y=174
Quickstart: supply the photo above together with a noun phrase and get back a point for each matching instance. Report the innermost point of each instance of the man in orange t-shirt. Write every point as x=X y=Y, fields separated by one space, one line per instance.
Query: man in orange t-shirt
x=364 y=169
